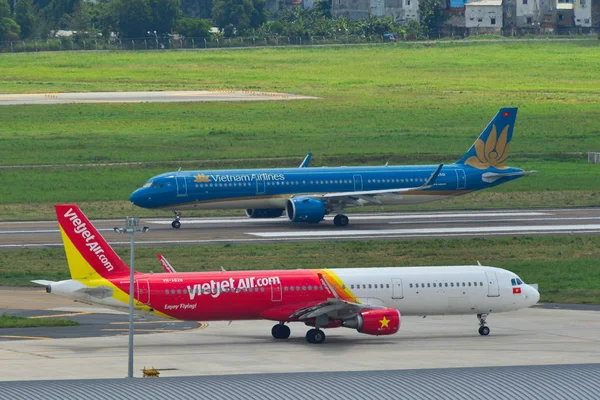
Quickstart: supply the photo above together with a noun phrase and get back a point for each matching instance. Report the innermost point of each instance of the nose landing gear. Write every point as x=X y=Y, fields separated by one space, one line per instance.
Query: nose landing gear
x=483 y=329
x=176 y=224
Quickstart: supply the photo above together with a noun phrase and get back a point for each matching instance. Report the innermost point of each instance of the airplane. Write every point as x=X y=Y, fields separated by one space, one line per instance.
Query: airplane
x=308 y=194
x=369 y=300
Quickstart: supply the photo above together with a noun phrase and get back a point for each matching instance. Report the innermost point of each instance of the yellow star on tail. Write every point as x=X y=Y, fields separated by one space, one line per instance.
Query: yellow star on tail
x=384 y=322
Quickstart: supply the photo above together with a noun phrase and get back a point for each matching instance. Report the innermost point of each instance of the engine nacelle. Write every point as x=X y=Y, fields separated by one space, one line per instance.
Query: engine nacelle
x=384 y=321
x=305 y=209
x=264 y=212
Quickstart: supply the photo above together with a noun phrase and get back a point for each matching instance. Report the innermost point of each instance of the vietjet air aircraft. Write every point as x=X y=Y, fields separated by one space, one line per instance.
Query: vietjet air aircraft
x=308 y=194
x=369 y=300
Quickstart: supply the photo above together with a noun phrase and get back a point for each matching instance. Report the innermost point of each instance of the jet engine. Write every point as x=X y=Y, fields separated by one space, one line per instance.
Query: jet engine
x=305 y=209
x=264 y=212
x=384 y=321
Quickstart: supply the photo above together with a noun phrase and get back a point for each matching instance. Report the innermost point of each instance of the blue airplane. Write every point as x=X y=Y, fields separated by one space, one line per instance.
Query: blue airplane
x=308 y=194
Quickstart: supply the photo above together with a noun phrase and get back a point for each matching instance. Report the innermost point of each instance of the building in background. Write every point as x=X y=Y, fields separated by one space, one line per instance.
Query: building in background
x=484 y=16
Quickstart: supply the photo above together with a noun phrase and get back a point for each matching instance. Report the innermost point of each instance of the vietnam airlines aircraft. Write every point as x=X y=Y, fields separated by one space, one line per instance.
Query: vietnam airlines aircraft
x=308 y=194
x=369 y=300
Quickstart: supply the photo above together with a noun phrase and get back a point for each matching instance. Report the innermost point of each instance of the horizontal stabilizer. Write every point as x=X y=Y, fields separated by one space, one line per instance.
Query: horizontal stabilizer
x=490 y=177
x=43 y=282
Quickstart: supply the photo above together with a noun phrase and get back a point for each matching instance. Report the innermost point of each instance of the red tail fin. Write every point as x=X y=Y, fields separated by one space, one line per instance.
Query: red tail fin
x=87 y=252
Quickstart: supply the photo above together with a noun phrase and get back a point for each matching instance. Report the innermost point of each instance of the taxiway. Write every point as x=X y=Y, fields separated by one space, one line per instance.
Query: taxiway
x=407 y=225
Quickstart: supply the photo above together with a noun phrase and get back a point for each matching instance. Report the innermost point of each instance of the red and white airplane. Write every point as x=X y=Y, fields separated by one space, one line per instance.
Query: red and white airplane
x=369 y=300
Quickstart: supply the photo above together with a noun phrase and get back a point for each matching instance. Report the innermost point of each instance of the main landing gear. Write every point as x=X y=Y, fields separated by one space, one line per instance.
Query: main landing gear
x=483 y=329
x=280 y=331
x=340 y=220
x=315 y=336
x=176 y=224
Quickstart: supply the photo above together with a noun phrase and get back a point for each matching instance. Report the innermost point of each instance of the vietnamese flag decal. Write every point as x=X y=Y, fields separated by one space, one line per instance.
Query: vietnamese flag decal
x=516 y=290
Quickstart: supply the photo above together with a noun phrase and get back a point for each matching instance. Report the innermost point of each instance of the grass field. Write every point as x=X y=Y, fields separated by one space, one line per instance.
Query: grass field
x=566 y=268
x=13 y=321
x=399 y=103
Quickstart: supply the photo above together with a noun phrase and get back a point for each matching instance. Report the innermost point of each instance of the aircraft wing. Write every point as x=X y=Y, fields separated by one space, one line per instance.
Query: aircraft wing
x=368 y=194
x=333 y=308
x=166 y=265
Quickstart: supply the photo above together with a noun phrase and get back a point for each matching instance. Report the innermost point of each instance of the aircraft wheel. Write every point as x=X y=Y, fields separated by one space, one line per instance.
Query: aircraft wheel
x=484 y=330
x=315 y=336
x=280 y=331
x=176 y=224
x=284 y=332
x=340 y=220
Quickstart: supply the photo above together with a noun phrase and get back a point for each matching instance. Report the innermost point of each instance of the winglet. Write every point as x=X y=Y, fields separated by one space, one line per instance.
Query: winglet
x=433 y=176
x=306 y=160
x=166 y=265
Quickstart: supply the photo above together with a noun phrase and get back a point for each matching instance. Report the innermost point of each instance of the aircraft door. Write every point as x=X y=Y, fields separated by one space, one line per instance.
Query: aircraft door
x=260 y=186
x=493 y=289
x=397 y=292
x=461 y=179
x=358 y=183
x=142 y=291
x=181 y=186
x=276 y=293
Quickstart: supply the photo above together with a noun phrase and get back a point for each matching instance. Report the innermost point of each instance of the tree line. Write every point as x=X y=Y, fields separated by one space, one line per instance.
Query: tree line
x=41 y=19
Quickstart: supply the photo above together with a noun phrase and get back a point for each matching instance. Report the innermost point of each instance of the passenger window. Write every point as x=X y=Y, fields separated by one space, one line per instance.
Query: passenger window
x=480 y=283
x=351 y=286
x=262 y=289
x=375 y=285
x=446 y=284
x=422 y=285
x=364 y=286
x=178 y=291
x=291 y=288
x=303 y=288
x=298 y=288
x=428 y=285
x=387 y=286
x=369 y=286
x=464 y=284
x=310 y=287
x=285 y=289
x=452 y=284
x=167 y=291
x=469 y=284
x=434 y=284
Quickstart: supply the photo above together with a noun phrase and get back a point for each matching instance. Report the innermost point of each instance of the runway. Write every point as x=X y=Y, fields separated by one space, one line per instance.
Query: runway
x=407 y=225
x=529 y=337
x=145 y=97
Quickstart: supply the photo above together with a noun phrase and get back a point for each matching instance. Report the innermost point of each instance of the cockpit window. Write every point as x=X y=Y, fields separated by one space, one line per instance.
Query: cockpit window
x=147 y=184
x=513 y=282
x=519 y=282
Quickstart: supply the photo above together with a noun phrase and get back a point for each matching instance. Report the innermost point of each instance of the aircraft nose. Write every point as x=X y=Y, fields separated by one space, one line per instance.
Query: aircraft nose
x=137 y=198
x=534 y=295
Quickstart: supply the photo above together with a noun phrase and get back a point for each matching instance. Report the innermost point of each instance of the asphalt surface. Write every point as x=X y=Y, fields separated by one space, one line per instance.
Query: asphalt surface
x=93 y=321
x=534 y=336
x=145 y=97
x=408 y=225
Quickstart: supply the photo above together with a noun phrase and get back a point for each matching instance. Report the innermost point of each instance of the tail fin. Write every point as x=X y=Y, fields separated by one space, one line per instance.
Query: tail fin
x=493 y=145
x=166 y=265
x=89 y=256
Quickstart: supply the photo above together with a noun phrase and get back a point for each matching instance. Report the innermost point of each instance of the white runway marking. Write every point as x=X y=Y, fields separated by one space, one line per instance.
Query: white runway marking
x=360 y=217
x=430 y=231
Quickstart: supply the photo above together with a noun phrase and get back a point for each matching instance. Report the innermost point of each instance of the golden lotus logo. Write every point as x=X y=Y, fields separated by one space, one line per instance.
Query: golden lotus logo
x=201 y=178
x=492 y=153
